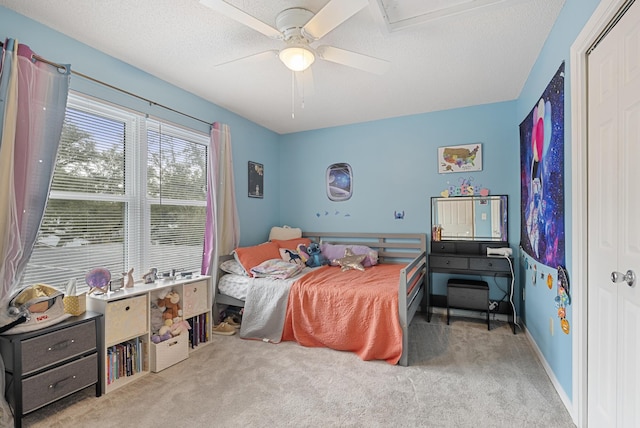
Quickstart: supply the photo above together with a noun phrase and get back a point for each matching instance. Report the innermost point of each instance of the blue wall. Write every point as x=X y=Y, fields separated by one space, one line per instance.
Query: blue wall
x=250 y=141
x=539 y=305
x=394 y=164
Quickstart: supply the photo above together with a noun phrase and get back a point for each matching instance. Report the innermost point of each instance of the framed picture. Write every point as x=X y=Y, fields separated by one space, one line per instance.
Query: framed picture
x=460 y=158
x=256 y=180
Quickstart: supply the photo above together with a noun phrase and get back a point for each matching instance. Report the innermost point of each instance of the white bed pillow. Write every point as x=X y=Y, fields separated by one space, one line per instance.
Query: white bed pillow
x=285 y=232
x=232 y=266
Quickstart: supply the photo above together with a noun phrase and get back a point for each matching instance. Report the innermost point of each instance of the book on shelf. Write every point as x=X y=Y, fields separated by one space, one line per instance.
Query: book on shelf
x=124 y=359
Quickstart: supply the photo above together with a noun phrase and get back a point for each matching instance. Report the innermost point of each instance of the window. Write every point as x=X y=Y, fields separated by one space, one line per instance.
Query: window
x=127 y=192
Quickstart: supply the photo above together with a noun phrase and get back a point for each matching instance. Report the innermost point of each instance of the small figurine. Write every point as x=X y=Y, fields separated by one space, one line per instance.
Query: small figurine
x=128 y=283
x=151 y=276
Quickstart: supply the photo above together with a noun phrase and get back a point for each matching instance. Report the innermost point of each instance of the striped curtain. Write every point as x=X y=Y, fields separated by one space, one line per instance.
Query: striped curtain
x=33 y=98
x=222 y=229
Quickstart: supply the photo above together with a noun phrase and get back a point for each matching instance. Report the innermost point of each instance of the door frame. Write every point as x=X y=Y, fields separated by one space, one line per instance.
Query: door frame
x=602 y=16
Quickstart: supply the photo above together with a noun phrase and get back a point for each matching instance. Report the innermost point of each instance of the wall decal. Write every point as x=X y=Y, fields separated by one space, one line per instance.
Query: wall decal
x=464 y=187
x=460 y=158
x=563 y=299
x=339 y=182
x=542 y=233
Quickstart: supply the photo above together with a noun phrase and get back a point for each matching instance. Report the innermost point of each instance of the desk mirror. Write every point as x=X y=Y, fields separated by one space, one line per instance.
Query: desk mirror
x=470 y=218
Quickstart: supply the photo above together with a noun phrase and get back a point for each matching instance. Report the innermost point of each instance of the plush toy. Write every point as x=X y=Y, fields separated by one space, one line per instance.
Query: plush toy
x=172 y=309
x=315 y=256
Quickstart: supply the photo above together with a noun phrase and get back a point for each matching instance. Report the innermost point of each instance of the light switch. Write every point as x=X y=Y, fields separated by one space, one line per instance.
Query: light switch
x=484 y=216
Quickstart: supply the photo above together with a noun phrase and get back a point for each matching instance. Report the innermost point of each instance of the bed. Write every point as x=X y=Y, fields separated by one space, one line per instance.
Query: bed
x=367 y=311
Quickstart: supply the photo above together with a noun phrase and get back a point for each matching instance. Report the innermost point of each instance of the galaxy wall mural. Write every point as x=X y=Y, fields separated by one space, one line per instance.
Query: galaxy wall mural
x=542 y=234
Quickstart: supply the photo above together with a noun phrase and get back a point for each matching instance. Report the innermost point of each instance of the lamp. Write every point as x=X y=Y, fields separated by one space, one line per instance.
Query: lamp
x=297 y=58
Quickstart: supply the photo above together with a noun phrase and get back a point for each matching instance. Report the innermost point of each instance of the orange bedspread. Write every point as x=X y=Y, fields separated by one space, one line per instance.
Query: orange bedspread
x=348 y=311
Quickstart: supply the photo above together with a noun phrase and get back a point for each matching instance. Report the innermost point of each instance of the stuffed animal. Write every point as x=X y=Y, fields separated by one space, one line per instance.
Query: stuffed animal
x=315 y=256
x=173 y=310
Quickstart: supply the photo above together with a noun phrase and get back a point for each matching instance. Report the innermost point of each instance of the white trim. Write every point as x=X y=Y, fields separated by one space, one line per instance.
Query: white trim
x=601 y=17
x=552 y=377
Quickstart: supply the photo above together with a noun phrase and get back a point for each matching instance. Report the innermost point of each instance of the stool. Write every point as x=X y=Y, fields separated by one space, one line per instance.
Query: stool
x=468 y=294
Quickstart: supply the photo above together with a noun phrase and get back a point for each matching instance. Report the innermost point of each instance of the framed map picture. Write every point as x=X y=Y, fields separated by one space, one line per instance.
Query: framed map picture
x=460 y=158
x=256 y=180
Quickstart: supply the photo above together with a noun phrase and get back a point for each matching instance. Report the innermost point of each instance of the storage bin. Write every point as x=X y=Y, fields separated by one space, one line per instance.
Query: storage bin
x=126 y=319
x=169 y=352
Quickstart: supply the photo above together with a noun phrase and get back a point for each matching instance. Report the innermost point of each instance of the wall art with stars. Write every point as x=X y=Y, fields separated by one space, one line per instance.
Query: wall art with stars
x=542 y=233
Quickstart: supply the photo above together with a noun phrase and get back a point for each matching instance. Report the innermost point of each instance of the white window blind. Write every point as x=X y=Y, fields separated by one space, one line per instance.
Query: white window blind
x=127 y=192
x=176 y=193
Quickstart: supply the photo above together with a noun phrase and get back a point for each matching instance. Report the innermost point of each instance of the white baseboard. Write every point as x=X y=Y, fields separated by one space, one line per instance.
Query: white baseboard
x=554 y=381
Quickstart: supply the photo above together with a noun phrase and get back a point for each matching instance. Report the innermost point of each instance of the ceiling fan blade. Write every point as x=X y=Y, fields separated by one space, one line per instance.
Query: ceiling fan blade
x=252 y=58
x=353 y=59
x=331 y=15
x=304 y=80
x=242 y=17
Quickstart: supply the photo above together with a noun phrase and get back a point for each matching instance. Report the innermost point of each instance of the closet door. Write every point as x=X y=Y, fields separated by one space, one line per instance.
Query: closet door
x=614 y=226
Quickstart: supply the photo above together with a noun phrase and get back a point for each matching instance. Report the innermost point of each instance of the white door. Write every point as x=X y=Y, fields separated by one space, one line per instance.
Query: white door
x=614 y=226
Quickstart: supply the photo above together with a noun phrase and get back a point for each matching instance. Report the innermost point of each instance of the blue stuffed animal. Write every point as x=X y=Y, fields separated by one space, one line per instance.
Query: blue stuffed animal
x=315 y=256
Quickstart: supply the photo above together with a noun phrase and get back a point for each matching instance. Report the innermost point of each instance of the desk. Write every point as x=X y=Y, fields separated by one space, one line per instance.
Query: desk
x=469 y=258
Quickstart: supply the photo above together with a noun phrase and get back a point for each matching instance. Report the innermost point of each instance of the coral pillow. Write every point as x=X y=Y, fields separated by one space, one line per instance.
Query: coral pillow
x=335 y=252
x=291 y=244
x=250 y=257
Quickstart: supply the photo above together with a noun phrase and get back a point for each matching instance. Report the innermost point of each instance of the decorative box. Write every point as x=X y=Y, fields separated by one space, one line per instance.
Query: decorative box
x=169 y=352
x=75 y=305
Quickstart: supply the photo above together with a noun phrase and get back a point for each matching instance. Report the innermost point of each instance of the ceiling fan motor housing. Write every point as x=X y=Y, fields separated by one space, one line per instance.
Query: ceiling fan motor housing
x=290 y=23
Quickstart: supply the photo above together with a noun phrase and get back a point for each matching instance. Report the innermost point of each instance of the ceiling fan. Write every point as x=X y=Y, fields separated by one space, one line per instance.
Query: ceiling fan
x=299 y=28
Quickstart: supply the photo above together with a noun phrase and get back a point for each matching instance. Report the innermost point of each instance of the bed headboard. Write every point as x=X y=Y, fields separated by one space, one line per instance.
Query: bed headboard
x=391 y=247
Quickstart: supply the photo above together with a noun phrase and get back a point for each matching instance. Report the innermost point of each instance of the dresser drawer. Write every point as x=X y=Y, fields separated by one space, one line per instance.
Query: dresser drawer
x=194 y=298
x=125 y=319
x=449 y=262
x=43 y=351
x=443 y=247
x=497 y=264
x=51 y=385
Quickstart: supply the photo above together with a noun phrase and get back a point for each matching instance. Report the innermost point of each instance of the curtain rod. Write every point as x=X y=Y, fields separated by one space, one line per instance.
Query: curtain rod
x=84 y=76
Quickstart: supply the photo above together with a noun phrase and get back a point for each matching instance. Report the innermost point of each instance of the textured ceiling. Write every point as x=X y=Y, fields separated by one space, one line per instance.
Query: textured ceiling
x=441 y=62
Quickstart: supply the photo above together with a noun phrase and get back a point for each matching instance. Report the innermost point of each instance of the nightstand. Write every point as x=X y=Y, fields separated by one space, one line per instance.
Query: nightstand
x=45 y=365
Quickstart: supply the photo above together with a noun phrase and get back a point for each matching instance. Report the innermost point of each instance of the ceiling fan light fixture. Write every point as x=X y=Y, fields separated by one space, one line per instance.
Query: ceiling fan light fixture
x=297 y=58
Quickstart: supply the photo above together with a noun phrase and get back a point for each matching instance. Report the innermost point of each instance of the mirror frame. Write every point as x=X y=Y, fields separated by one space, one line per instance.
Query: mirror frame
x=474 y=237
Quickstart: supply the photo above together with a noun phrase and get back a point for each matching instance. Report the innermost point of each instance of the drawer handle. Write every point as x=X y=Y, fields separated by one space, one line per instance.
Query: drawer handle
x=127 y=308
x=61 y=345
x=447 y=262
x=490 y=264
x=56 y=384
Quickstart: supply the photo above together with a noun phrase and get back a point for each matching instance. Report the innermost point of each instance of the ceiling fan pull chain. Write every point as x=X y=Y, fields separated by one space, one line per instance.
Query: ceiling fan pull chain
x=293 y=95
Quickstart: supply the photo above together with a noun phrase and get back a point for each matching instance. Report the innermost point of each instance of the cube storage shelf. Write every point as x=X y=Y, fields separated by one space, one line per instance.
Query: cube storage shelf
x=126 y=345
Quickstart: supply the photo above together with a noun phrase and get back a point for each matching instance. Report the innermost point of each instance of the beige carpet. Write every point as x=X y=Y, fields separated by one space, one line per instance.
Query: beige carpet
x=460 y=375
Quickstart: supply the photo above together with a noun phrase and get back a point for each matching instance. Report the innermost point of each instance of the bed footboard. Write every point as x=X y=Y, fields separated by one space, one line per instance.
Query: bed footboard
x=410 y=293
